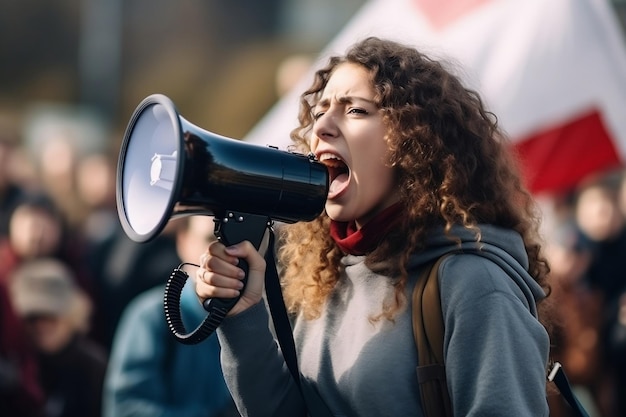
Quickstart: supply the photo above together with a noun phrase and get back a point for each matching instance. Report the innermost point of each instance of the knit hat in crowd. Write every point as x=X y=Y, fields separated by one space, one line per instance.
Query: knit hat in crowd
x=43 y=286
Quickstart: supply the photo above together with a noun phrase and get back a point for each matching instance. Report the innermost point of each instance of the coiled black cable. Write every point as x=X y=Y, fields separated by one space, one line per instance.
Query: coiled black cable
x=171 y=303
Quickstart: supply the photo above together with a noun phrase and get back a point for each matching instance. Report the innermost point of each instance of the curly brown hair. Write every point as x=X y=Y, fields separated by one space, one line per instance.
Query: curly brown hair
x=453 y=166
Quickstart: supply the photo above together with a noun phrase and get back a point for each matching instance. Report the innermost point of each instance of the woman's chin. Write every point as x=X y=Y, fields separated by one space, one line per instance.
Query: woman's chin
x=337 y=212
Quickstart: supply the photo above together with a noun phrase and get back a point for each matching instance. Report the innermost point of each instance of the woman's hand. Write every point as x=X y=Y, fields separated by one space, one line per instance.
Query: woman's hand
x=220 y=277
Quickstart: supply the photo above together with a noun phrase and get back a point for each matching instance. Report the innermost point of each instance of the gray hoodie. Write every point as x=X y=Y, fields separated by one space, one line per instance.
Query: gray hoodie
x=495 y=349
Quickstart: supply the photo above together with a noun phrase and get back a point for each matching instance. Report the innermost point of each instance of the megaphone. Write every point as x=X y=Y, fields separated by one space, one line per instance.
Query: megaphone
x=169 y=168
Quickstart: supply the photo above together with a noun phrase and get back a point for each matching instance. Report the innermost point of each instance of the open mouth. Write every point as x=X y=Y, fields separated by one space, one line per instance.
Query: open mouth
x=338 y=171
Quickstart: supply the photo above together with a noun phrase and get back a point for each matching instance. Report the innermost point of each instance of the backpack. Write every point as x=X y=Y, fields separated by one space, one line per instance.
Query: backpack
x=428 y=330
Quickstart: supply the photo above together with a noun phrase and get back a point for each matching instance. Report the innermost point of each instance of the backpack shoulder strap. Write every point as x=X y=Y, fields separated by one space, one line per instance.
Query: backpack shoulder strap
x=428 y=330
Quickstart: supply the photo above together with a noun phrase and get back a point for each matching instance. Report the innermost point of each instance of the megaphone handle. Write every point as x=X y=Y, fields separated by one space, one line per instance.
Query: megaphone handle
x=231 y=229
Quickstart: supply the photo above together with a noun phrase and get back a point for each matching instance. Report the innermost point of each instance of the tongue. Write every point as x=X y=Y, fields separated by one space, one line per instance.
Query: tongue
x=338 y=185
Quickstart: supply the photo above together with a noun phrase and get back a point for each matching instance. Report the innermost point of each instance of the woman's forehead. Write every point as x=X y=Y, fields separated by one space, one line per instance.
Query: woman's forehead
x=348 y=80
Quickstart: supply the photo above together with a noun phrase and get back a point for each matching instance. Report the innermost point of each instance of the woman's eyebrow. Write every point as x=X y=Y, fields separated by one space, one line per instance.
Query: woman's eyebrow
x=352 y=99
x=343 y=100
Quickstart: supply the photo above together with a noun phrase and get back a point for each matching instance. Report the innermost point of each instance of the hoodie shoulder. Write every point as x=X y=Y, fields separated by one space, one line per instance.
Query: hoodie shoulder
x=468 y=278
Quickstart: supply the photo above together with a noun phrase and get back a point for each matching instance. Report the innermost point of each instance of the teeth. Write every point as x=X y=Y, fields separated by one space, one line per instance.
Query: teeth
x=328 y=156
x=331 y=160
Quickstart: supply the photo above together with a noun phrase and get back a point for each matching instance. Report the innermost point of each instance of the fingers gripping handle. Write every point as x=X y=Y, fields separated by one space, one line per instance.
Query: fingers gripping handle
x=224 y=305
x=230 y=229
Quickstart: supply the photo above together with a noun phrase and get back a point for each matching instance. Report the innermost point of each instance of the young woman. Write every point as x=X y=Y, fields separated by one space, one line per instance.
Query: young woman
x=418 y=169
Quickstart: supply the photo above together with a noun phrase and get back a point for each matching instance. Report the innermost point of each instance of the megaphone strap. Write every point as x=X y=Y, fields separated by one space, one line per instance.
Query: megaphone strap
x=278 y=311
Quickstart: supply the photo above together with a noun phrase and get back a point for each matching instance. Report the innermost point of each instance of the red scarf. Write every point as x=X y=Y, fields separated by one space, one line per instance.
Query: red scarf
x=364 y=240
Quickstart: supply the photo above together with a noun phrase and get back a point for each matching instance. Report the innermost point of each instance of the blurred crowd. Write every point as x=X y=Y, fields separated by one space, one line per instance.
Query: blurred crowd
x=82 y=331
x=585 y=234
x=79 y=335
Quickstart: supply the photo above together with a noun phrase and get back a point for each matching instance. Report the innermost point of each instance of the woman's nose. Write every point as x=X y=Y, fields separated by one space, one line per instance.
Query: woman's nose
x=325 y=127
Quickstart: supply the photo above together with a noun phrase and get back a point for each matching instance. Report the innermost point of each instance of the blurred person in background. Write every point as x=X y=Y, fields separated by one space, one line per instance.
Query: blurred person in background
x=618 y=330
x=101 y=231
x=95 y=185
x=150 y=374
x=56 y=311
x=124 y=269
x=576 y=341
x=10 y=191
x=20 y=392
x=38 y=229
x=600 y=220
x=57 y=160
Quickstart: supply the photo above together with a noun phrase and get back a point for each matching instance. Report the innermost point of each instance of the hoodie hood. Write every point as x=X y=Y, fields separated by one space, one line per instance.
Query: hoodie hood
x=504 y=247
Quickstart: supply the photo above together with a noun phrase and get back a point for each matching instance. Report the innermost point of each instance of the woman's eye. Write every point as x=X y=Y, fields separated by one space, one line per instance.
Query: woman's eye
x=357 y=111
x=317 y=115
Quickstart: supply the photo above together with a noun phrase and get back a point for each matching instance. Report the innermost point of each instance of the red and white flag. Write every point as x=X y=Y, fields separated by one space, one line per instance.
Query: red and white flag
x=554 y=73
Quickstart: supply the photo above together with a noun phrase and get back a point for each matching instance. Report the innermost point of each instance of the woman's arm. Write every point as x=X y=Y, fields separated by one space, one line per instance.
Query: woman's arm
x=252 y=363
x=254 y=368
